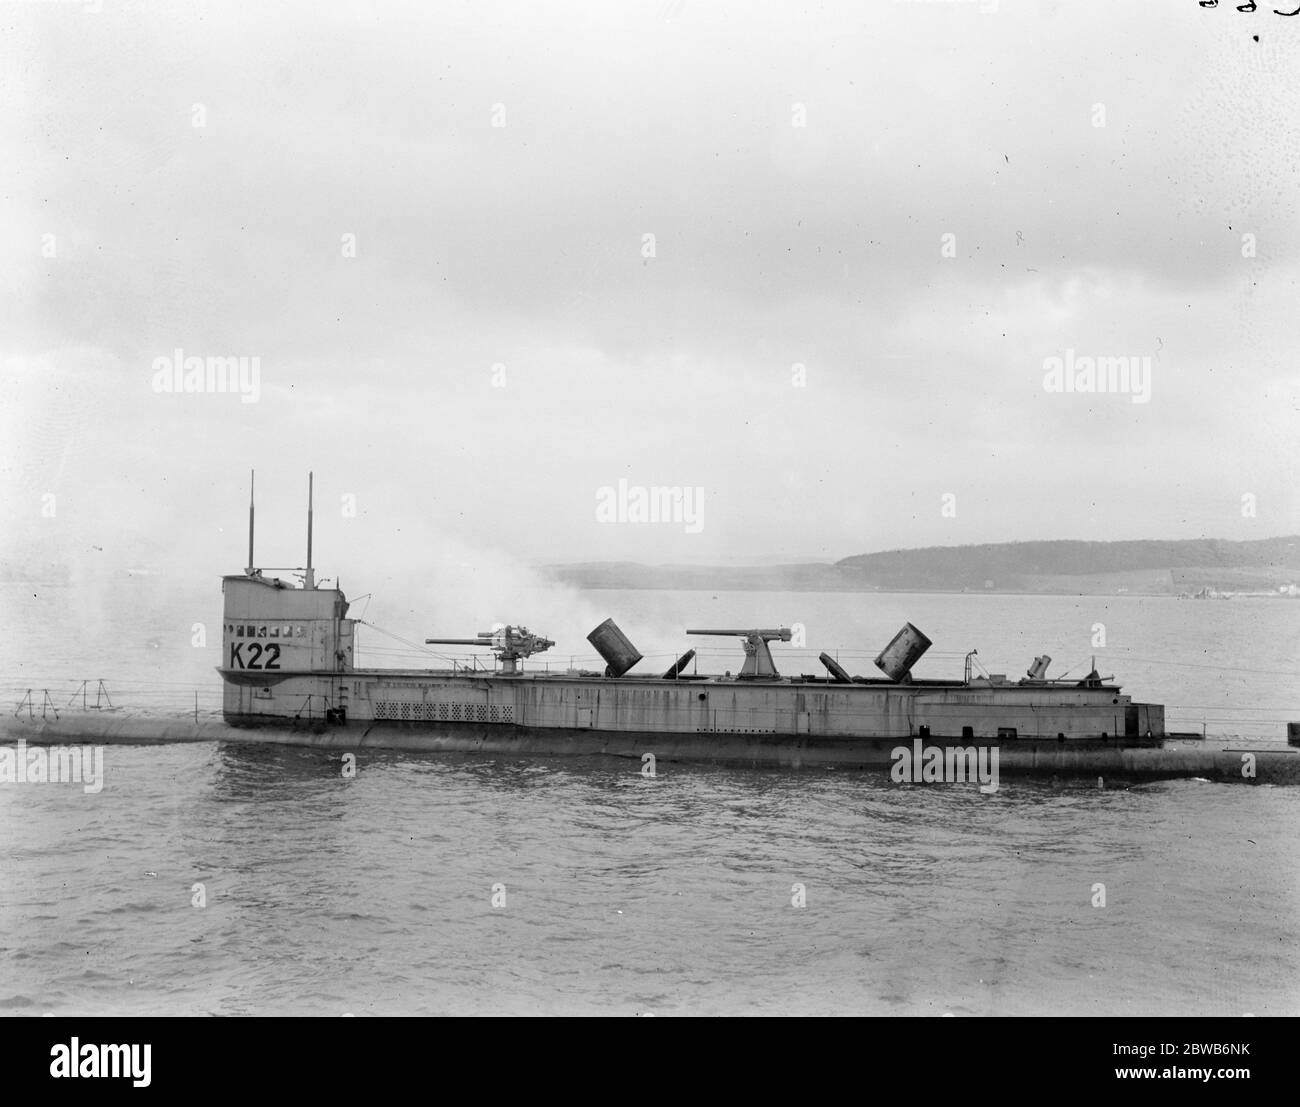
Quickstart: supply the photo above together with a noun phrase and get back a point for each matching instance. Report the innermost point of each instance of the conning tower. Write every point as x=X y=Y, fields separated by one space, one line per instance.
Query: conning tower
x=275 y=633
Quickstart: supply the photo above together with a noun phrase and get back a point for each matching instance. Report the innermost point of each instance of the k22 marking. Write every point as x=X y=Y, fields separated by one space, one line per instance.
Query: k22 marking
x=255 y=651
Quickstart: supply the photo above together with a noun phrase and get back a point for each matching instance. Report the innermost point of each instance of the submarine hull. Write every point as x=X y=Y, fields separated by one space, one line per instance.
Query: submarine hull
x=1112 y=759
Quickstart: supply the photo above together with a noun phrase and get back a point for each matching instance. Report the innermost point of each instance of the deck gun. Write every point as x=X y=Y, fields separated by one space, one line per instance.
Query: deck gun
x=758 y=658
x=508 y=643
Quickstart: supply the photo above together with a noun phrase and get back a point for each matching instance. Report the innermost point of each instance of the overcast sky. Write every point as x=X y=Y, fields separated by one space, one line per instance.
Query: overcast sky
x=428 y=223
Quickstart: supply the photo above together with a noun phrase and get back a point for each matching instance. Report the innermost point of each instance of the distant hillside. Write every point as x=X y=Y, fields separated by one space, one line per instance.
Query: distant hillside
x=1034 y=566
x=1147 y=567
x=766 y=578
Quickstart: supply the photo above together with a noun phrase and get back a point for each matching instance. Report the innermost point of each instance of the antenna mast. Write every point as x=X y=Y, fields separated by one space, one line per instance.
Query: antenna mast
x=310 y=582
x=252 y=475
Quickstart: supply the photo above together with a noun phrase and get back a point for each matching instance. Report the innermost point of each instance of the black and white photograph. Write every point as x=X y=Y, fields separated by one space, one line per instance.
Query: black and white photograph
x=650 y=508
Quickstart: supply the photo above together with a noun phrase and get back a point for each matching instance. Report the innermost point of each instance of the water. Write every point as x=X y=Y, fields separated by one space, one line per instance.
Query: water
x=673 y=895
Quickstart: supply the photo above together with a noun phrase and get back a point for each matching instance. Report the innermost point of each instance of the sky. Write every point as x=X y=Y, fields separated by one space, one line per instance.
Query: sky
x=498 y=271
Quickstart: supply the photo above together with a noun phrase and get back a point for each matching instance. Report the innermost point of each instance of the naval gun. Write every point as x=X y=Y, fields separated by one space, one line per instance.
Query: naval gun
x=758 y=658
x=510 y=644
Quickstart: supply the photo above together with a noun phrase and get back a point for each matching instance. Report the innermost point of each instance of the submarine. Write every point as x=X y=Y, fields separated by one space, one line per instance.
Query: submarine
x=288 y=676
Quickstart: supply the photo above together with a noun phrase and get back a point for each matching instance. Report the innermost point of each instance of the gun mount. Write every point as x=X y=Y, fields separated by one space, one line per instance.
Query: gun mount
x=510 y=644
x=758 y=658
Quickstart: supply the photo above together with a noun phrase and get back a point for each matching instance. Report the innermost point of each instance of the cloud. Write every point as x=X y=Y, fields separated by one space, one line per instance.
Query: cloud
x=348 y=213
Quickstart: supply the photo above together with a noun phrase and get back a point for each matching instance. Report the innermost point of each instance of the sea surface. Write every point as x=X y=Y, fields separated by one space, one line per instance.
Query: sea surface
x=208 y=879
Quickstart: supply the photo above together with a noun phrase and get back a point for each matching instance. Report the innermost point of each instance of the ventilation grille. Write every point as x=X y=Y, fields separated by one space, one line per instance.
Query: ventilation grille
x=444 y=712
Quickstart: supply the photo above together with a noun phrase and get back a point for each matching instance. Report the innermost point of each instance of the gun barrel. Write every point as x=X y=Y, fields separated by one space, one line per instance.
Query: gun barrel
x=456 y=642
x=780 y=632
